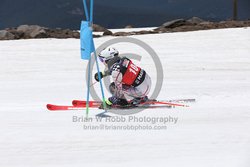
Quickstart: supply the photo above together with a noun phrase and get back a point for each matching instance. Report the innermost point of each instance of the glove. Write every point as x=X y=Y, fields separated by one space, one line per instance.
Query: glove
x=96 y=76
x=114 y=101
x=107 y=103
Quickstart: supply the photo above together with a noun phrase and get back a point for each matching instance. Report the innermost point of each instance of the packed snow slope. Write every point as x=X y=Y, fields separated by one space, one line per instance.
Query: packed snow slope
x=211 y=66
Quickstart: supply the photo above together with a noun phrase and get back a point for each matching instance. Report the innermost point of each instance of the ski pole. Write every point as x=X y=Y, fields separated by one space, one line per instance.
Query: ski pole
x=171 y=104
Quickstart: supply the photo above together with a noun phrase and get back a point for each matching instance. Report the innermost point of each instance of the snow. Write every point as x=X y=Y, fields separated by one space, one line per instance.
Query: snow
x=211 y=66
x=127 y=30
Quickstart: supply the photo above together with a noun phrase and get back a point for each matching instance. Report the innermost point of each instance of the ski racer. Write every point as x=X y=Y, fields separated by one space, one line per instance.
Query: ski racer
x=131 y=84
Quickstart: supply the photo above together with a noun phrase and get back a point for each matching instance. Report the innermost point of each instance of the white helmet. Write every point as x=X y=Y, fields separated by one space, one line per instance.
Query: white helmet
x=107 y=54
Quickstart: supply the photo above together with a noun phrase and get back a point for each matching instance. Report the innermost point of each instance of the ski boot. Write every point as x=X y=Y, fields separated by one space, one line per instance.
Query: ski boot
x=115 y=103
x=139 y=100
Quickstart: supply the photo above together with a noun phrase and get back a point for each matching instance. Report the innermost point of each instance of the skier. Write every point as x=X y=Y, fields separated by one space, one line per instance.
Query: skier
x=130 y=85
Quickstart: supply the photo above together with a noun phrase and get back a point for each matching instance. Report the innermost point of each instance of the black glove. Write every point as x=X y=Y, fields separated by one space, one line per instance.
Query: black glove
x=108 y=104
x=96 y=76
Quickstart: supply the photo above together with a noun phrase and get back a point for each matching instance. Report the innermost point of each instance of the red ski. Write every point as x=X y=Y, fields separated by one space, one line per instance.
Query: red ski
x=84 y=103
x=81 y=103
x=53 y=107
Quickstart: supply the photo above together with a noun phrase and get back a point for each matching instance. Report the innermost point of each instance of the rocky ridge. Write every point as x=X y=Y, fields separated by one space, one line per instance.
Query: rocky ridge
x=179 y=25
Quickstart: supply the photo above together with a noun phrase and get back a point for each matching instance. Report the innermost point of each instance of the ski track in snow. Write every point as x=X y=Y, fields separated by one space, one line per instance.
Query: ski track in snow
x=211 y=66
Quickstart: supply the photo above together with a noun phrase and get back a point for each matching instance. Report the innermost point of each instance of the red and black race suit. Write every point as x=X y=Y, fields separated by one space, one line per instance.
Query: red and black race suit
x=132 y=74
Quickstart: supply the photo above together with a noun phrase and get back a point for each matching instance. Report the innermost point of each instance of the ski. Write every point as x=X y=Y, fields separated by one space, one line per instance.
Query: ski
x=53 y=107
x=151 y=101
x=95 y=104
x=82 y=104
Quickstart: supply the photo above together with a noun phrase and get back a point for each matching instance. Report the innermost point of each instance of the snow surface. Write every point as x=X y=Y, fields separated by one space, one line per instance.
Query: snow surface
x=211 y=66
x=127 y=30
